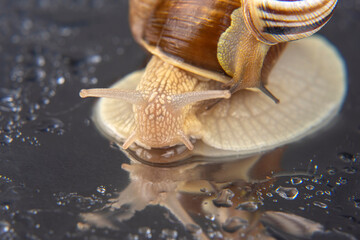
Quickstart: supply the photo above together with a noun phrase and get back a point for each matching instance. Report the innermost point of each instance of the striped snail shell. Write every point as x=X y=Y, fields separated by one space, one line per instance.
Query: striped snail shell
x=274 y=21
x=204 y=50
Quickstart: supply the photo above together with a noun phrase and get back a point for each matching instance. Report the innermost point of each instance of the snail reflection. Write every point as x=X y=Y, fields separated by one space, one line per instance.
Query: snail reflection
x=217 y=193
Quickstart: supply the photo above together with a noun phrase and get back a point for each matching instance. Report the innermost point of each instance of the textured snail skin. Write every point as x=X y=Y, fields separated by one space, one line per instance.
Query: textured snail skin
x=162 y=104
x=201 y=48
x=162 y=116
x=309 y=78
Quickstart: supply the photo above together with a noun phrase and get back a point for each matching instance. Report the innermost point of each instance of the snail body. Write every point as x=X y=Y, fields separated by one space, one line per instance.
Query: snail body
x=202 y=50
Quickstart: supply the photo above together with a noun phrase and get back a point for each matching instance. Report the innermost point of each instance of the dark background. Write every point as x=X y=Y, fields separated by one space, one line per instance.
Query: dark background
x=53 y=160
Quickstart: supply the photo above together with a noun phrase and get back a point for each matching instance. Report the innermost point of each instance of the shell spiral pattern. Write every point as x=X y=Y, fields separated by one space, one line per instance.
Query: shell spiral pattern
x=274 y=21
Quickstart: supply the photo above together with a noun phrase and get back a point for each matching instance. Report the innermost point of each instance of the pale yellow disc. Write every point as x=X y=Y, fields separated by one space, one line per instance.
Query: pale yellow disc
x=309 y=79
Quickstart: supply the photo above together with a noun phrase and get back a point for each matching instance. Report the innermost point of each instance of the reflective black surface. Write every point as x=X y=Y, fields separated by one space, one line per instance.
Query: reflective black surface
x=54 y=164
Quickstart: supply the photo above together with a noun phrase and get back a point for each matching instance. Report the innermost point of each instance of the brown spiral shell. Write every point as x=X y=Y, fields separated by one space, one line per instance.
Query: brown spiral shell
x=185 y=29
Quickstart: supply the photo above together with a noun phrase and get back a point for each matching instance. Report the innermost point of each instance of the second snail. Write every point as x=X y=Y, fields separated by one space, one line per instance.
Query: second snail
x=223 y=71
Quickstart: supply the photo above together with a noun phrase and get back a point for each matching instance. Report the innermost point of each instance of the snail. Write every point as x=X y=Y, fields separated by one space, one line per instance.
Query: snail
x=225 y=50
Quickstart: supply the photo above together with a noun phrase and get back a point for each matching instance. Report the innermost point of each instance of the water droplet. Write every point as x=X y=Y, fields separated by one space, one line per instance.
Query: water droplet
x=4 y=227
x=33 y=211
x=210 y=217
x=345 y=157
x=224 y=198
x=9 y=95
x=34 y=107
x=87 y=122
x=287 y=192
x=5 y=179
x=85 y=80
x=101 y=189
x=215 y=234
x=145 y=231
x=27 y=24
x=93 y=80
x=193 y=228
x=50 y=125
x=350 y=170
x=7 y=139
x=60 y=80
x=39 y=74
x=269 y=194
x=308 y=196
x=65 y=31
x=341 y=181
x=233 y=224
x=315 y=169
x=40 y=61
x=331 y=171
x=320 y=204
x=319 y=193
x=248 y=206
x=296 y=181
x=6 y=207
x=310 y=187
x=45 y=101
x=357 y=203
x=168 y=233
x=94 y=59
x=133 y=237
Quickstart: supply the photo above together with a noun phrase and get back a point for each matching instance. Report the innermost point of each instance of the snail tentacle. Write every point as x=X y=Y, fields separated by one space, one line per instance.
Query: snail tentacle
x=266 y=91
x=129 y=96
x=183 y=99
x=185 y=140
x=130 y=140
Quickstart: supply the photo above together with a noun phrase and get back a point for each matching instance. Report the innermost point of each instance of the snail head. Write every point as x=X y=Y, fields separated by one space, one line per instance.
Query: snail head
x=161 y=103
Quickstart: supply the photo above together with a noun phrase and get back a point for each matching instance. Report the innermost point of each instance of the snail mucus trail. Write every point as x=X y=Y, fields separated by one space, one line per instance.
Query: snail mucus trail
x=247 y=37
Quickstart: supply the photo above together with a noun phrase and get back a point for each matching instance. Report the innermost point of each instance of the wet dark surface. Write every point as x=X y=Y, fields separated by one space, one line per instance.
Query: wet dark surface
x=54 y=164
